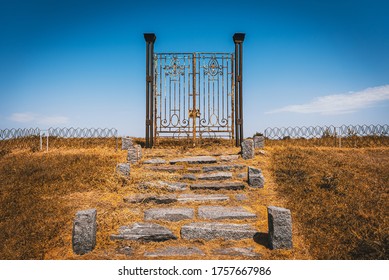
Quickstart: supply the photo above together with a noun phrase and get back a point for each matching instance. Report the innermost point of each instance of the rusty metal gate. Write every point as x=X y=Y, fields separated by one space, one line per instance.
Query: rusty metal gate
x=193 y=95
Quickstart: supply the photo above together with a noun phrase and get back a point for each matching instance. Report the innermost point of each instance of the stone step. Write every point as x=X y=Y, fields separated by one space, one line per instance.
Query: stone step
x=164 y=168
x=154 y=161
x=218 y=186
x=169 y=214
x=170 y=186
x=144 y=232
x=202 y=198
x=194 y=160
x=218 y=176
x=213 y=168
x=210 y=231
x=175 y=251
x=229 y=157
x=220 y=213
x=146 y=198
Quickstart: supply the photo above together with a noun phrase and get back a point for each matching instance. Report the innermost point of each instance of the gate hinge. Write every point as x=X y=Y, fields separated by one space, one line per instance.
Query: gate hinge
x=149 y=78
x=149 y=122
x=239 y=121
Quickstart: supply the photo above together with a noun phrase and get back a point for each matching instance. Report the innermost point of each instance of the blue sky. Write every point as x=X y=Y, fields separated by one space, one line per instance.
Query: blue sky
x=82 y=63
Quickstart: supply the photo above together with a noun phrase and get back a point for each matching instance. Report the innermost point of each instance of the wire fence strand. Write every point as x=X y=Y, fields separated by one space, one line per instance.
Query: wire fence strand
x=56 y=137
x=346 y=136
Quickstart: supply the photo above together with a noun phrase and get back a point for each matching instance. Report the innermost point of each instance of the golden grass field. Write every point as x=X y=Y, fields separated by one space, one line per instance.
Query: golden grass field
x=338 y=199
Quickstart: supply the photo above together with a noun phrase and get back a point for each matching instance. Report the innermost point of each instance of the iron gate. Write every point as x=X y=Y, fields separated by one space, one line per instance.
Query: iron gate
x=194 y=95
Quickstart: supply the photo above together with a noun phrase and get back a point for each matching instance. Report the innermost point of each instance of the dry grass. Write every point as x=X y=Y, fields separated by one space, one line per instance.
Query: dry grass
x=41 y=192
x=339 y=197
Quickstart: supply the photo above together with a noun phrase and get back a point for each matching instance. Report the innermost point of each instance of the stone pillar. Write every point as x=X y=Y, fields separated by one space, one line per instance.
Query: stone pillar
x=127 y=143
x=255 y=177
x=280 y=228
x=259 y=141
x=84 y=231
x=123 y=169
x=247 y=148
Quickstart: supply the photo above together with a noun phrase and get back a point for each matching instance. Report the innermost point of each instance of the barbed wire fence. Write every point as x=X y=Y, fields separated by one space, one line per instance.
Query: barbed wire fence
x=346 y=136
x=38 y=139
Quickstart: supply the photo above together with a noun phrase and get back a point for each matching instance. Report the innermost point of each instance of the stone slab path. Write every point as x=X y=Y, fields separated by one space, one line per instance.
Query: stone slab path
x=199 y=190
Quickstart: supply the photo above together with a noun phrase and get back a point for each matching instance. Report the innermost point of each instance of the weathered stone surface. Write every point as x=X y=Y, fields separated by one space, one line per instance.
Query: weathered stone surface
x=134 y=154
x=218 y=186
x=280 y=228
x=169 y=169
x=146 y=198
x=194 y=160
x=255 y=177
x=220 y=213
x=124 y=250
x=144 y=232
x=194 y=169
x=229 y=158
x=84 y=231
x=165 y=185
x=123 y=169
x=202 y=198
x=191 y=177
x=259 y=141
x=173 y=186
x=218 y=176
x=242 y=175
x=247 y=148
x=234 y=251
x=217 y=230
x=241 y=197
x=155 y=161
x=175 y=251
x=127 y=143
x=213 y=168
x=169 y=214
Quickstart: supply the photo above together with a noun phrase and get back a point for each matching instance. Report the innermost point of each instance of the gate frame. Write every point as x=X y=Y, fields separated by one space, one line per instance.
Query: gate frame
x=238 y=81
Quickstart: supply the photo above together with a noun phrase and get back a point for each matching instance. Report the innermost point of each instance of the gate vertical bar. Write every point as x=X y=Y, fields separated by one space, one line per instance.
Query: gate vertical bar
x=194 y=109
x=150 y=39
x=238 y=40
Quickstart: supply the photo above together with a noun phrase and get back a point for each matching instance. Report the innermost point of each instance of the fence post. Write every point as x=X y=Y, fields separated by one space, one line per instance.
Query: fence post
x=238 y=40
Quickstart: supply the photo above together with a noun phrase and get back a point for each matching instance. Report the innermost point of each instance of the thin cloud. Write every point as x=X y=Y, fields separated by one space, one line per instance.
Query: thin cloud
x=340 y=103
x=38 y=119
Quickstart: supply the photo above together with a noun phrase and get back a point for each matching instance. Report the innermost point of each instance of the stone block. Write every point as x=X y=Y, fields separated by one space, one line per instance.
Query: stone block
x=155 y=161
x=144 y=232
x=218 y=186
x=210 y=231
x=229 y=157
x=127 y=143
x=218 y=176
x=134 y=154
x=146 y=198
x=84 y=231
x=280 y=228
x=169 y=214
x=220 y=213
x=123 y=169
x=247 y=149
x=259 y=141
x=194 y=160
x=188 y=197
x=255 y=177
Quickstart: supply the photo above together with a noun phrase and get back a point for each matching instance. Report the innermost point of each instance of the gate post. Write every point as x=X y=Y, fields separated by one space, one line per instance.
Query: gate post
x=238 y=40
x=150 y=39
